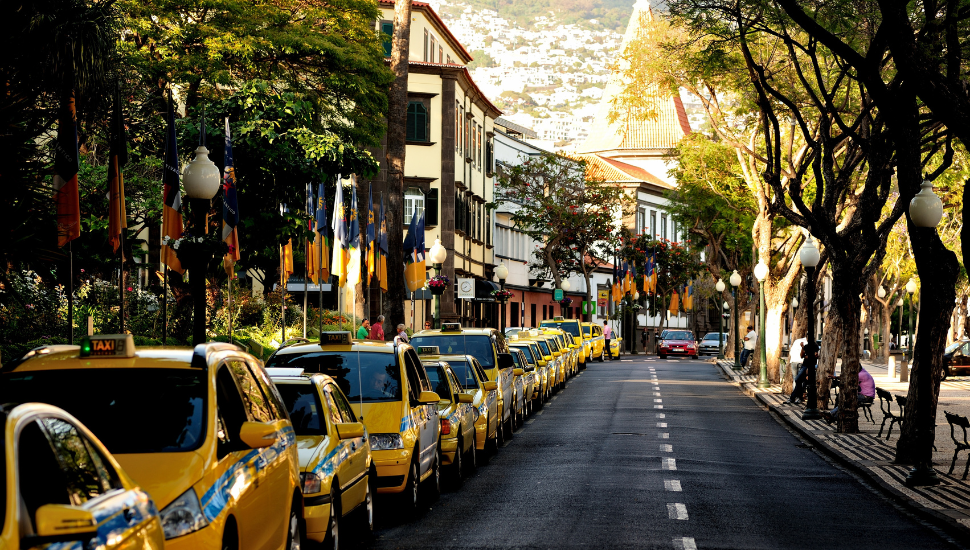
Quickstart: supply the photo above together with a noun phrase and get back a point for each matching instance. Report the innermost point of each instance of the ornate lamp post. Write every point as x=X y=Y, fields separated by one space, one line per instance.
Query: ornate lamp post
x=926 y=210
x=881 y=294
x=910 y=289
x=761 y=273
x=201 y=180
x=719 y=286
x=438 y=256
x=794 y=307
x=810 y=257
x=735 y=280
x=502 y=273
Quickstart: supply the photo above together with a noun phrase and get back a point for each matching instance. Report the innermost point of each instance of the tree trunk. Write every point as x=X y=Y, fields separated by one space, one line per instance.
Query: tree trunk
x=848 y=309
x=828 y=356
x=798 y=330
x=938 y=269
x=396 y=149
x=773 y=339
x=588 y=317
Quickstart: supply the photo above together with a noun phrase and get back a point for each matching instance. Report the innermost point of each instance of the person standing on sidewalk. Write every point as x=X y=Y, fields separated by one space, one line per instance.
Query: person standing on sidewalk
x=364 y=331
x=750 y=340
x=377 y=329
x=607 y=335
x=795 y=358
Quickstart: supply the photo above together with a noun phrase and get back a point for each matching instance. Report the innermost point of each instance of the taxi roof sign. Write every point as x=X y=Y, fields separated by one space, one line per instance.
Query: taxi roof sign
x=108 y=345
x=450 y=327
x=335 y=337
x=429 y=350
x=558 y=318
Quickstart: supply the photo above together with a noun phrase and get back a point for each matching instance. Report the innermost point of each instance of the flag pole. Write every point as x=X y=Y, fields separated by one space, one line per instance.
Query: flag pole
x=306 y=260
x=121 y=281
x=230 y=307
x=70 y=292
x=165 y=304
x=282 y=297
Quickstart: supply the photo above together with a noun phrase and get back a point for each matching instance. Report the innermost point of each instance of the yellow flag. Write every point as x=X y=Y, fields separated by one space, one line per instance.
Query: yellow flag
x=287 y=262
x=674 y=304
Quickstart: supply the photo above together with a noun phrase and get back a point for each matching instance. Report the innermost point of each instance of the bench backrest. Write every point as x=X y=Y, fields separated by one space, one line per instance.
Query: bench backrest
x=961 y=421
x=885 y=402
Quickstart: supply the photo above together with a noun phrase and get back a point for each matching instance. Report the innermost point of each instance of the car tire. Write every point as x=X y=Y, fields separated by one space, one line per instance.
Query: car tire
x=946 y=372
x=433 y=489
x=499 y=435
x=411 y=497
x=333 y=526
x=662 y=356
x=230 y=537
x=693 y=357
x=456 y=473
x=508 y=426
x=365 y=528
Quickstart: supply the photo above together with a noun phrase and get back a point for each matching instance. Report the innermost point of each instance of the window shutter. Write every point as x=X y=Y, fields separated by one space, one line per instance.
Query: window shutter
x=411 y=123
x=431 y=208
x=387 y=28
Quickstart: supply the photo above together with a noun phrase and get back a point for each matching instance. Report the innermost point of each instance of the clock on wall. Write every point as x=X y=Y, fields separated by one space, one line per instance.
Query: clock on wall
x=465 y=286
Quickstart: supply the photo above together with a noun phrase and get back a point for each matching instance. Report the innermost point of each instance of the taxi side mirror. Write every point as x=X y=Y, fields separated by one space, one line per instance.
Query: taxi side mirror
x=64 y=522
x=490 y=386
x=465 y=398
x=428 y=398
x=505 y=361
x=350 y=430
x=518 y=372
x=258 y=434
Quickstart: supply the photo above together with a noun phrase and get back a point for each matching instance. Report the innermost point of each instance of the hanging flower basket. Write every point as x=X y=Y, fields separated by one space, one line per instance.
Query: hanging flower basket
x=565 y=302
x=502 y=295
x=190 y=249
x=438 y=284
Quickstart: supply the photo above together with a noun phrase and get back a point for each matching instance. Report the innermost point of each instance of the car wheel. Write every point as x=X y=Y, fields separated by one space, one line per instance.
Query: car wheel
x=458 y=465
x=499 y=434
x=662 y=356
x=434 y=480
x=411 y=497
x=333 y=531
x=229 y=537
x=693 y=357
x=507 y=426
x=366 y=528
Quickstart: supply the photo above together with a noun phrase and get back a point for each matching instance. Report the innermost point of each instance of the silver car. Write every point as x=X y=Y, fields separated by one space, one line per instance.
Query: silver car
x=708 y=345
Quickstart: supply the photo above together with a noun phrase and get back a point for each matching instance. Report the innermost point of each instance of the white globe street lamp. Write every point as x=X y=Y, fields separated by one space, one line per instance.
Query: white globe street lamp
x=761 y=273
x=565 y=285
x=735 y=280
x=438 y=255
x=201 y=179
x=926 y=209
x=719 y=286
x=810 y=257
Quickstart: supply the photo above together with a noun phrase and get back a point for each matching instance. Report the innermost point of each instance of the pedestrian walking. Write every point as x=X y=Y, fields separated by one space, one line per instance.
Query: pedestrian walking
x=377 y=330
x=750 y=340
x=607 y=335
x=796 y=360
x=643 y=341
x=364 y=331
x=402 y=335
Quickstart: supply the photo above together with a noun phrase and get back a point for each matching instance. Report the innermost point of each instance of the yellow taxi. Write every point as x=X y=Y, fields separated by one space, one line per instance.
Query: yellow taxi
x=389 y=391
x=336 y=468
x=203 y=430
x=562 y=359
x=458 y=416
x=533 y=374
x=551 y=358
x=574 y=333
x=593 y=335
x=543 y=366
x=62 y=486
x=568 y=346
x=489 y=347
x=524 y=383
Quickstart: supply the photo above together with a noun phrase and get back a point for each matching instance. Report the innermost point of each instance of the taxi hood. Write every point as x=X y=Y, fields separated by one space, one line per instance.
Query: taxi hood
x=164 y=476
x=381 y=418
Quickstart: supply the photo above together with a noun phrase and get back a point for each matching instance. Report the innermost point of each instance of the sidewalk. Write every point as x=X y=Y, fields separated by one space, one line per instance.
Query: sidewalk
x=947 y=503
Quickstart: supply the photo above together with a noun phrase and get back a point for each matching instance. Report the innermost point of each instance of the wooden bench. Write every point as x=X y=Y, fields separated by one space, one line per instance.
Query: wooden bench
x=886 y=406
x=962 y=422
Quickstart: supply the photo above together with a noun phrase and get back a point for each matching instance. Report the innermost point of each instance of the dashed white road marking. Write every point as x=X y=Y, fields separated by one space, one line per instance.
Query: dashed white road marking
x=658 y=400
x=663 y=435
x=685 y=543
x=661 y=424
x=672 y=485
x=530 y=421
x=658 y=406
x=666 y=448
x=661 y=415
x=669 y=463
x=677 y=511
x=656 y=394
x=540 y=413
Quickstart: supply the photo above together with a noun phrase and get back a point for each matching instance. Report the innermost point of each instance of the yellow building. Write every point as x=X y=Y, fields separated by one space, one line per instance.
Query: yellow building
x=448 y=167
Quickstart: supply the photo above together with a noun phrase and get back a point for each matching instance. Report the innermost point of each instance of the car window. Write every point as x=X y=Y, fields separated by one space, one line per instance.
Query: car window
x=679 y=335
x=544 y=347
x=454 y=379
x=480 y=370
x=332 y=410
x=85 y=480
x=273 y=397
x=553 y=345
x=516 y=360
x=527 y=352
x=132 y=410
x=414 y=379
x=42 y=481
x=257 y=406
x=587 y=331
x=439 y=380
x=422 y=375
x=479 y=346
x=463 y=373
x=965 y=350
x=230 y=413
x=363 y=377
x=346 y=413
x=304 y=407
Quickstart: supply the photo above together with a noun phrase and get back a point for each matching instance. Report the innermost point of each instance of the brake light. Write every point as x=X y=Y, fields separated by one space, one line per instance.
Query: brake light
x=445 y=426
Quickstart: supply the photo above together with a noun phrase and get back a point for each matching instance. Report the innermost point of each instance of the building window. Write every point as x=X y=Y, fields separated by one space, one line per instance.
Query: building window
x=457 y=126
x=652 y=230
x=387 y=31
x=478 y=148
x=419 y=125
x=489 y=162
x=434 y=46
x=449 y=60
x=441 y=54
x=425 y=58
x=663 y=226
x=461 y=133
x=413 y=200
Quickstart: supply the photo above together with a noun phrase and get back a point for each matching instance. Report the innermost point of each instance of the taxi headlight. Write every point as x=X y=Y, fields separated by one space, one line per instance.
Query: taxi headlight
x=386 y=442
x=312 y=482
x=182 y=516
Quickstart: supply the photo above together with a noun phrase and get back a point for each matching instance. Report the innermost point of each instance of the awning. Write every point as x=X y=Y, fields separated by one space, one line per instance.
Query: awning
x=483 y=290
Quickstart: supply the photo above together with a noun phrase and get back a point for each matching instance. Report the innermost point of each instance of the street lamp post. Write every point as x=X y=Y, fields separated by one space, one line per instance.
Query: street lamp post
x=910 y=289
x=726 y=311
x=810 y=257
x=201 y=180
x=735 y=280
x=438 y=256
x=761 y=273
x=925 y=210
x=633 y=332
x=502 y=273
x=881 y=294
x=719 y=286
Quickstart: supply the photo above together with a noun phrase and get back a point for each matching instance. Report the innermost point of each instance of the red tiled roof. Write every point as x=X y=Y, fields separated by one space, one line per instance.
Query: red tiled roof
x=425 y=7
x=467 y=74
x=607 y=169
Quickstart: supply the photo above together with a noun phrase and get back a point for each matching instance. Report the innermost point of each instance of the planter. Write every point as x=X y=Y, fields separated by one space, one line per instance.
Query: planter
x=437 y=291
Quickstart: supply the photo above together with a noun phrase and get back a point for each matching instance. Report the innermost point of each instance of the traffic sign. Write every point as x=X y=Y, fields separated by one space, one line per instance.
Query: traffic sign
x=557 y=294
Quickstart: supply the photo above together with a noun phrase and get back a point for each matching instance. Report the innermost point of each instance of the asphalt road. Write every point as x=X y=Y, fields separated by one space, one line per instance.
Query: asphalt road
x=657 y=454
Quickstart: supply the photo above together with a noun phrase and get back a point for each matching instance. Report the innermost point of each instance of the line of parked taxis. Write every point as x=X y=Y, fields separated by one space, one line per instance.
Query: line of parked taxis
x=108 y=446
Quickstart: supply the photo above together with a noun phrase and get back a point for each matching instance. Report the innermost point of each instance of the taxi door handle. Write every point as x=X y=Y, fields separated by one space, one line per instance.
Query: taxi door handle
x=353 y=445
x=128 y=515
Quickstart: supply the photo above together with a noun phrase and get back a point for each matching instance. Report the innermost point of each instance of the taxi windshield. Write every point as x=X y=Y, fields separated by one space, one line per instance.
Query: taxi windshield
x=439 y=380
x=478 y=346
x=528 y=354
x=588 y=331
x=363 y=377
x=132 y=411
x=463 y=371
x=679 y=335
x=303 y=403
x=572 y=327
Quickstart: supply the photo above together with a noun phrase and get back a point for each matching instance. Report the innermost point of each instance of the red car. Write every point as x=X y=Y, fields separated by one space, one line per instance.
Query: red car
x=677 y=342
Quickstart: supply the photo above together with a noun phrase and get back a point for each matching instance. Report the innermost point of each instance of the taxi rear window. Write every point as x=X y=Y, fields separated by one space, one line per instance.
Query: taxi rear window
x=439 y=380
x=363 y=377
x=572 y=327
x=303 y=403
x=478 y=346
x=130 y=410
x=463 y=372
x=544 y=346
x=588 y=331
x=528 y=353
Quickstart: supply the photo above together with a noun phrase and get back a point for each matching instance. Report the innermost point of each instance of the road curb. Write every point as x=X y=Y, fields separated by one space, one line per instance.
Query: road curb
x=955 y=521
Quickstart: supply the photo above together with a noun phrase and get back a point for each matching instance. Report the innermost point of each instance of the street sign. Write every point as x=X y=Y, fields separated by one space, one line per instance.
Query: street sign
x=557 y=294
x=585 y=307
